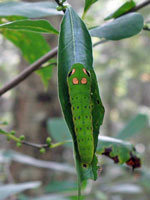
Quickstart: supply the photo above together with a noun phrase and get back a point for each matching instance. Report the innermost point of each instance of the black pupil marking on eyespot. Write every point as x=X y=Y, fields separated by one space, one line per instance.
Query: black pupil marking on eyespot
x=84 y=165
x=98 y=101
x=80 y=128
x=70 y=73
x=87 y=73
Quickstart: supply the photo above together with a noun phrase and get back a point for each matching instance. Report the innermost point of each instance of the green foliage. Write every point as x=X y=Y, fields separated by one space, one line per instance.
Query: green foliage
x=32 y=45
x=29 y=9
x=59 y=131
x=58 y=186
x=120 y=28
x=26 y=33
x=42 y=150
x=128 y=5
x=39 y=26
x=45 y=73
x=75 y=47
x=88 y=4
x=11 y=189
x=118 y=150
x=134 y=126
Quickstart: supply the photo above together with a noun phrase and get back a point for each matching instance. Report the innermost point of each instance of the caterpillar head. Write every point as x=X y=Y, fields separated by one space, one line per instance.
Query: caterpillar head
x=78 y=75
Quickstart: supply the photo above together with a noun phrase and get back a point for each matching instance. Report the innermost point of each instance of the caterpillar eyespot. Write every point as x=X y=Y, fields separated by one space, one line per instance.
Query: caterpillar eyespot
x=71 y=72
x=79 y=88
x=86 y=72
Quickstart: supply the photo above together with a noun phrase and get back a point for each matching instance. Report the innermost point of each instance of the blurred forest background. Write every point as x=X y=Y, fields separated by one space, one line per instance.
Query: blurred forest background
x=123 y=72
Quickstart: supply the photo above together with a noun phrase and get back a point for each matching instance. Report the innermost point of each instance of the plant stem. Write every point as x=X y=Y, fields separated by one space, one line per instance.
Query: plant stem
x=25 y=73
x=61 y=4
x=38 y=146
x=141 y=5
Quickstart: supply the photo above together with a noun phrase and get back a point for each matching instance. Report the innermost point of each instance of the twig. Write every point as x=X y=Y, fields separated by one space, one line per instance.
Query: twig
x=25 y=73
x=46 y=146
x=61 y=4
x=138 y=7
x=99 y=42
x=141 y=5
x=21 y=140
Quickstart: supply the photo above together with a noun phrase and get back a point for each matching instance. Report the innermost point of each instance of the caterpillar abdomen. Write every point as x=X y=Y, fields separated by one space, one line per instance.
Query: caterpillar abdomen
x=79 y=85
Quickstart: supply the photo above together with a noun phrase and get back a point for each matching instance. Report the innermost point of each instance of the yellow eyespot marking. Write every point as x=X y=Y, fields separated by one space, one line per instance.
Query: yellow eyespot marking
x=84 y=70
x=84 y=81
x=75 y=81
x=73 y=71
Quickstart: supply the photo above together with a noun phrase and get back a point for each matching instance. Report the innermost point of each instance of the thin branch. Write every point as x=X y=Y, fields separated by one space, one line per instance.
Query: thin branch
x=20 y=140
x=141 y=5
x=45 y=146
x=100 y=42
x=25 y=73
x=61 y=4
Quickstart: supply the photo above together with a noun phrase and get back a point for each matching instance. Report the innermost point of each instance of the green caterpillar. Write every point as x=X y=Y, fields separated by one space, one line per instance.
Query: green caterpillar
x=79 y=86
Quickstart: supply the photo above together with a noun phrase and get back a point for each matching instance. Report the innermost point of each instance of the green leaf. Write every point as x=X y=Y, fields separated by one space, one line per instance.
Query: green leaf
x=32 y=45
x=29 y=9
x=40 y=26
x=87 y=5
x=128 y=5
x=2 y=131
x=75 y=47
x=61 y=186
x=57 y=128
x=45 y=73
x=119 y=151
x=11 y=189
x=120 y=28
x=135 y=126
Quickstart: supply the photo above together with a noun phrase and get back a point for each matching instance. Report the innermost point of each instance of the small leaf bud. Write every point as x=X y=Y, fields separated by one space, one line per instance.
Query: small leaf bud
x=42 y=150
